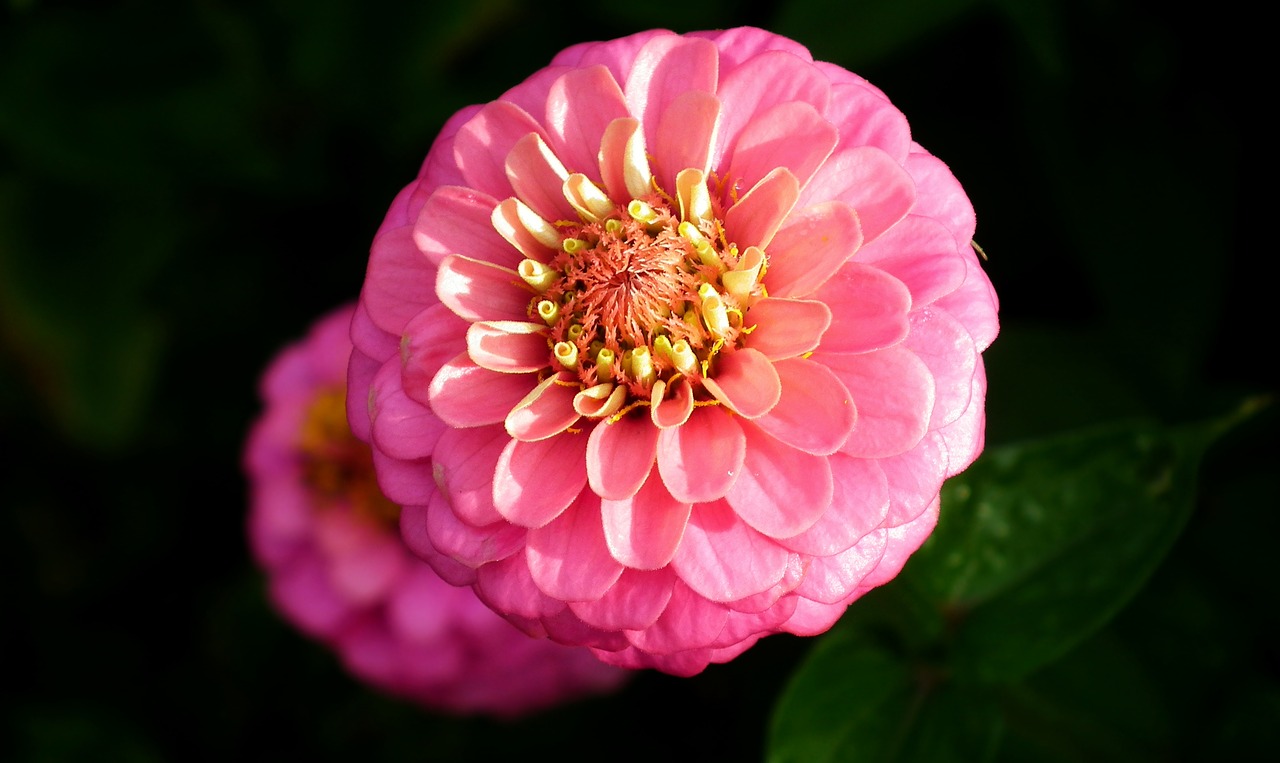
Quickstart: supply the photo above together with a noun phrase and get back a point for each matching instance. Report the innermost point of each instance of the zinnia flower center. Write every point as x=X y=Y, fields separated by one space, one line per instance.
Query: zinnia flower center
x=337 y=467
x=637 y=295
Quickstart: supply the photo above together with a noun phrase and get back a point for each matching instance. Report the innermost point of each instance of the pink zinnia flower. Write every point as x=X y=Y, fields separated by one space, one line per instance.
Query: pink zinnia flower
x=338 y=570
x=686 y=330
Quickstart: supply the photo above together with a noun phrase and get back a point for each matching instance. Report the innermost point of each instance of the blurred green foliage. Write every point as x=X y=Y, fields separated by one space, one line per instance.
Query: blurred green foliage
x=184 y=187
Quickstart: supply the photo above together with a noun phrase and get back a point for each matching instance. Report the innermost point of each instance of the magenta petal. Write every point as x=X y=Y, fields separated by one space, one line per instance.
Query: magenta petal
x=459 y=221
x=613 y=149
x=700 y=460
x=546 y=411
x=914 y=479
x=940 y=196
x=665 y=68
x=360 y=373
x=508 y=587
x=402 y=427
x=482 y=144
x=620 y=455
x=785 y=328
x=581 y=104
x=633 y=603
x=689 y=621
x=831 y=579
x=644 y=530
x=508 y=346
x=755 y=219
x=815 y=413
x=723 y=559
x=781 y=491
x=902 y=543
x=812 y=618
x=918 y=252
x=791 y=135
x=413 y=529
x=568 y=557
x=404 y=482
x=399 y=281
x=965 y=436
x=434 y=337
x=946 y=348
x=762 y=82
x=472 y=546
x=866 y=118
x=893 y=390
x=535 y=481
x=974 y=304
x=745 y=381
x=466 y=395
x=479 y=291
x=869 y=309
x=685 y=135
x=371 y=340
x=859 y=504
x=811 y=247
x=870 y=181
x=538 y=176
x=465 y=461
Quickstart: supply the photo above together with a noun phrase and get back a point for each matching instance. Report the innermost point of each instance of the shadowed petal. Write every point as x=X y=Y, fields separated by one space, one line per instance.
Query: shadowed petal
x=831 y=579
x=535 y=481
x=815 y=413
x=633 y=603
x=537 y=176
x=745 y=381
x=434 y=337
x=688 y=622
x=643 y=531
x=686 y=132
x=665 y=68
x=723 y=559
x=781 y=491
x=402 y=428
x=701 y=460
x=811 y=247
x=465 y=461
x=902 y=543
x=472 y=546
x=506 y=586
x=620 y=455
x=400 y=281
x=568 y=557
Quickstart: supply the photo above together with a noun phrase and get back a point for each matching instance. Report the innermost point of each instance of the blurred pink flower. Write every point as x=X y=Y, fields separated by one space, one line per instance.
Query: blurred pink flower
x=687 y=330
x=338 y=570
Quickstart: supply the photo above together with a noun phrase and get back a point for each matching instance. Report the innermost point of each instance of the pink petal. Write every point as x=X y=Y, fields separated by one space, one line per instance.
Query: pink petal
x=671 y=405
x=538 y=176
x=371 y=340
x=781 y=491
x=894 y=394
x=686 y=131
x=866 y=118
x=304 y=593
x=785 y=328
x=535 y=481
x=965 y=436
x=869 y=309
x=870 y=181
x=506 y=221
x=902 y=543
x=360 y=375
x=465 y=462
x=633 y=603
x=466 y=395
x=434 y=337
x=739 y=45
x=620 y=455
x=812 y=618
x=914 y=479
x=402 y=428
x=399 y=281
x=815 y=413
x=546 y=411
x=665 y=68
x=746 y=381
x=581 y=104
x=946 y=348
x=762 y=82
x=974 y=304
x=940 y=196
x=644 y=530
x=831 y=579
x=508 y=346
x=723 y=559
x=747 y=627
x=859 y=504
x=508 y=587
x=459 y=221
x=755 y=219
x=565 y=627
x=568 y=557
x=404 y=482
x=920 y=253
x=482 y=144
x=469 y=545
x=791 y=135
x=701 y=460
x=613 y=150
x=618 y=55
x=478 y=291
x=811 y=247
x=688 y=622
x=757 y=603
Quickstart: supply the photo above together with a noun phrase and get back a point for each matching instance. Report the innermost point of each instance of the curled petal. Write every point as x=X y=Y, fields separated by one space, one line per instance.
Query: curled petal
x=723 y=559
x=527 y=233
x=811 y=247
x=745 y=381
x=624 y=166
x=568 y=557
x=600 y=400
x=643 y=531
x=815 y=413
x=672 y=403
x=701 y=460
x=535 y=481
x=781 y=491
x=620 y=455
x=546 y=411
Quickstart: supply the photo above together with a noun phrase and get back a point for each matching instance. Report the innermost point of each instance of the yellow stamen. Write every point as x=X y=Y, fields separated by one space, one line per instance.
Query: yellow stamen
x=714 y=314
x=604 y=364
x=642 y=367
x=573 y=245
x=537 y=275
x=549 y=312
x=567 y=354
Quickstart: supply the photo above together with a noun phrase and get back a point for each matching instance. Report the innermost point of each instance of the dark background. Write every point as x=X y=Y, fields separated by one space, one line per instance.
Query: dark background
x=184 y=187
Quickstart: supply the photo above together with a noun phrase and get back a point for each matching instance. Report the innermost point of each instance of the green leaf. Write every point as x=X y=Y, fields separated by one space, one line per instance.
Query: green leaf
x=1040 y=544
x=853 y=700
